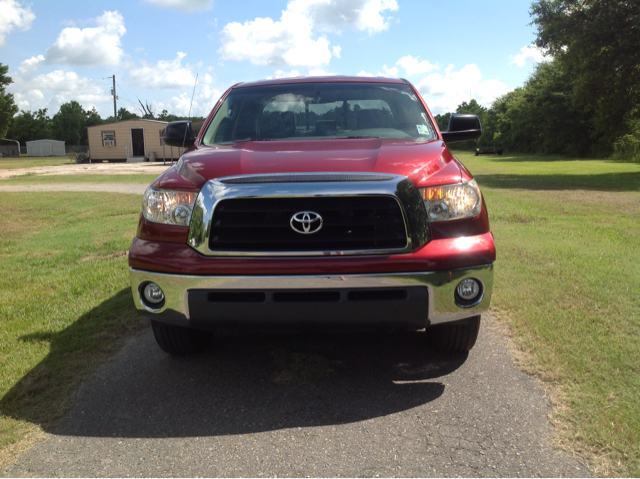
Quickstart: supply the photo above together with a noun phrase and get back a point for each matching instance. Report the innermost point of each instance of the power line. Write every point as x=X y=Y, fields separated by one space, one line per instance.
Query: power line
x=124 y=93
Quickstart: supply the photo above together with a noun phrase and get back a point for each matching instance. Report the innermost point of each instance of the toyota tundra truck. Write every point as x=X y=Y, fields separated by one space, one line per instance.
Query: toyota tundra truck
x=316 y=202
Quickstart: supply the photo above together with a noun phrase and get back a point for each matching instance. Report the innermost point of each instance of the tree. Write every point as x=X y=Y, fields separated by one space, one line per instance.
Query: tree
x=69 y=124
x=148 y=113
x=92 y=118
x=473 y=108
x=443 y=121
x=596 y=44
x=166 y=116
x=29 y=126
x=124 y=114
x=7 y=106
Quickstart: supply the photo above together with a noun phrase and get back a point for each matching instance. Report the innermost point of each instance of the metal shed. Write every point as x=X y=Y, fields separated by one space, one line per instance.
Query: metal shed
x=9 y=148
x=45 y=148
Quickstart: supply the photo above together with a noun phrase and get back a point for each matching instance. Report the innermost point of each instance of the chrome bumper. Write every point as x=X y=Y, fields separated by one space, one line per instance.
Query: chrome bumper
x=440 y=286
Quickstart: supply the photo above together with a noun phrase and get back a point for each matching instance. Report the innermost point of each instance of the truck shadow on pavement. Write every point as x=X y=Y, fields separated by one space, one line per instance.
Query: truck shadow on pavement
x=251 y=383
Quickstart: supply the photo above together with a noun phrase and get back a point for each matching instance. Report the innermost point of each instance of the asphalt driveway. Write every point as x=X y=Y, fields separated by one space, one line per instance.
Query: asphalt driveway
x=306 y=405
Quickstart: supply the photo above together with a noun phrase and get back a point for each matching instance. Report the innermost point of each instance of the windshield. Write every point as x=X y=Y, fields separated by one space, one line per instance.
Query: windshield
x=319 y=111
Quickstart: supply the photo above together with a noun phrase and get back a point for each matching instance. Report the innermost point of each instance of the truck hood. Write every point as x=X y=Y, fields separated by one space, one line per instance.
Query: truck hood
x=425 y=163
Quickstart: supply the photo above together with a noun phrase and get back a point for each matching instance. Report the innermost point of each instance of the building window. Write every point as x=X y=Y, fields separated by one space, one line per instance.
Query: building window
x=109 y=138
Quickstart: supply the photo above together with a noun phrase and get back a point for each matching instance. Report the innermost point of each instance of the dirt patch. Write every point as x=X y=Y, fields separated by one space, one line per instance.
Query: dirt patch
x=87 y=169
x=127 y=188
x=117 y=254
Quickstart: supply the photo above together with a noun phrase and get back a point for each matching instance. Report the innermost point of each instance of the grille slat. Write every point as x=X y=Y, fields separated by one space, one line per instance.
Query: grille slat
x=350 y=223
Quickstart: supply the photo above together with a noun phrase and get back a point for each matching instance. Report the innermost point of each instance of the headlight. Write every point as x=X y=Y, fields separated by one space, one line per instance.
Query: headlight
x=168 y=207
x=452 y=202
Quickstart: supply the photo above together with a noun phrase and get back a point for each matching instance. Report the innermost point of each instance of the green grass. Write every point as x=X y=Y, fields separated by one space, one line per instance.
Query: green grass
x=31 y=179
x=568 y=282
x=64 y=301
x=29 y=162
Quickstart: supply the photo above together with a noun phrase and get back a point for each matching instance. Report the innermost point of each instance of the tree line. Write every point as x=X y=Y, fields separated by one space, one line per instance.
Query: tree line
x=69 y=124
x=586 y=100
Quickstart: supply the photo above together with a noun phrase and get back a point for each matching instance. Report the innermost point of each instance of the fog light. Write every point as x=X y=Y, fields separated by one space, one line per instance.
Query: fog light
x=153 y=294
x=468 y=289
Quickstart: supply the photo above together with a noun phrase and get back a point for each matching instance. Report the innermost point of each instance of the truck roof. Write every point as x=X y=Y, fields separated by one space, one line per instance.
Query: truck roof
x=321 y=79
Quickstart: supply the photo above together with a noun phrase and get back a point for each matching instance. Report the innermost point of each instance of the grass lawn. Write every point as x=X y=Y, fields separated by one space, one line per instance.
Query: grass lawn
x=64 y=300
x=29 y=179
x=568 y=283
x=30 y=161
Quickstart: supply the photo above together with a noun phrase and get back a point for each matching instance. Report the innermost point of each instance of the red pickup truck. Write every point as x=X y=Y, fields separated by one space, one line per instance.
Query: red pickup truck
x=318 y=202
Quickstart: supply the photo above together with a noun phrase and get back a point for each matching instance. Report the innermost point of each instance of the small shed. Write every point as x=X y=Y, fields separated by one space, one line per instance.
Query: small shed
x=45 y=148
x=129 y=140
x=9 y=148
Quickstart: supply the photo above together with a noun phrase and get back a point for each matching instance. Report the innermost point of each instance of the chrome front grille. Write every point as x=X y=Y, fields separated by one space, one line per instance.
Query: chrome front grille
x=361 y=213
x=350 y=223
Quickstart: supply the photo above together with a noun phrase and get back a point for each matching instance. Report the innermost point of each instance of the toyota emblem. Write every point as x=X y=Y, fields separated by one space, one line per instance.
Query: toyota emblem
x=306 y=222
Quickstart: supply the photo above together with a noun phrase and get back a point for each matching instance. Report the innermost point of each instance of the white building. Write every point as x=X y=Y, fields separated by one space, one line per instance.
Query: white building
x=45 y=148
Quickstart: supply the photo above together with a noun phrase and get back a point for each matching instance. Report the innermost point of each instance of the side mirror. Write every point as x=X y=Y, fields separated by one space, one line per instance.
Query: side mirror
x=179 y=133
x=462 y=127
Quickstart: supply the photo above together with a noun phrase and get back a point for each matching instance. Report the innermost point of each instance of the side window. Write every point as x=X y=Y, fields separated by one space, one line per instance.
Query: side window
x=108 y=138
x=219 y=130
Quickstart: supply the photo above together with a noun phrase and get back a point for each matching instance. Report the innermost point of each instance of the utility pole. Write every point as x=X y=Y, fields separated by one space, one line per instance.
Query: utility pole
x=113 y=92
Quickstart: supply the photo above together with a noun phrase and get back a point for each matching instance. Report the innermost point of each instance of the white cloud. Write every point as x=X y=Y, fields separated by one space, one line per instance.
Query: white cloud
x=205 y=97
x=97 y=46
x=363 y=73
x=284 y=74
x=334 y=15
x=320 y=72
x=14 y=15
x=530 y=54
x=444 y=92
x=291 y=39
x=388 y=72
x=29 y=67
x=413 y=67
x=60 y=87
x=185 y=6
x=163 y=75
x=265 y=42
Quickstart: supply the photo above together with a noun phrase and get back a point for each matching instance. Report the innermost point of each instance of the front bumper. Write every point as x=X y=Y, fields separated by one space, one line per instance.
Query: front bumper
x=412 y=300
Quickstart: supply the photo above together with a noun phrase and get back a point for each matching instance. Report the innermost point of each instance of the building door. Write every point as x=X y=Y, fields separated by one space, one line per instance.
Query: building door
x=137 y=141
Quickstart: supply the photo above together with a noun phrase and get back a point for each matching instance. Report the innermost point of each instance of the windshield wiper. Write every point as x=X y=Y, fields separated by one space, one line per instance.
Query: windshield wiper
x=351 y=137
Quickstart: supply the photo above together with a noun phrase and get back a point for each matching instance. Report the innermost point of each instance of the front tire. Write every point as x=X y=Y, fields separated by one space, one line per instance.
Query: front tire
x=180 y=341
x=458 y=337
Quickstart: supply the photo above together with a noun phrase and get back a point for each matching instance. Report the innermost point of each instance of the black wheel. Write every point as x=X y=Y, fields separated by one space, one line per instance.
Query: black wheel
x=458 y=337
x=178 y=340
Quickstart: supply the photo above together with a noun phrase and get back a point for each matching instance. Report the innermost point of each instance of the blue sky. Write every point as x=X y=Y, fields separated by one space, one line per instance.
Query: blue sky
x=451 y=51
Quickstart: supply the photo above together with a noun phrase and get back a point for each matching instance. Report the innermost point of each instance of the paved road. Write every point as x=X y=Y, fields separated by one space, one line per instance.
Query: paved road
x=306 y=405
